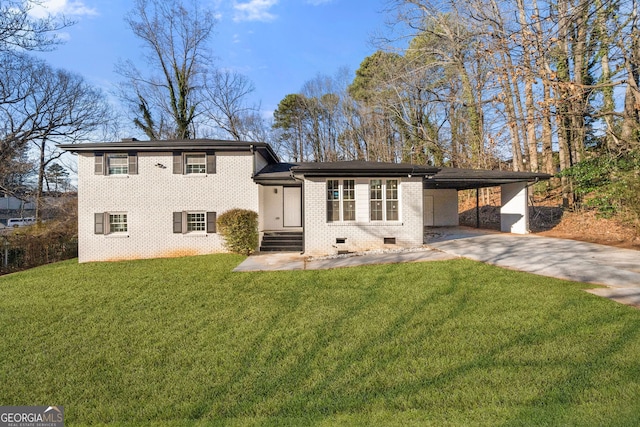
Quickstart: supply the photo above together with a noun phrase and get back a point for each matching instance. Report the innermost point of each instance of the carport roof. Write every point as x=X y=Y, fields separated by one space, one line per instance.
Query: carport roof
x=444 y=178
x=465 y=179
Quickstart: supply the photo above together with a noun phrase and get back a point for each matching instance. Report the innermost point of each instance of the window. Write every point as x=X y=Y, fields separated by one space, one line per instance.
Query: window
x=341 y=200
x=384 y=201
x=117 y=164
x=110 y=223
x=195 y=163
x=349 y=200
x=194 y=222
x=333 y=200
x=375 y=190
x=118 y=223
x=392 y=199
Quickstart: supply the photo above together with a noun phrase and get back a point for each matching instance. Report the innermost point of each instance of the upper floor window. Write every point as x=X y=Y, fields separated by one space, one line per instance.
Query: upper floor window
x=341 y=200
x=115 y=164
x=194 y=163
x=383 y=199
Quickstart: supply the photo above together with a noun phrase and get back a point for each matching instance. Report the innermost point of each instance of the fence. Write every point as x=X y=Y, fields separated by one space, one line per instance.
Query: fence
x=32 y=251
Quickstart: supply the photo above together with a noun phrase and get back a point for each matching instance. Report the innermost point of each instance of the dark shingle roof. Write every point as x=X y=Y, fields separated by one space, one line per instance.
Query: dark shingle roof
x=173 y=145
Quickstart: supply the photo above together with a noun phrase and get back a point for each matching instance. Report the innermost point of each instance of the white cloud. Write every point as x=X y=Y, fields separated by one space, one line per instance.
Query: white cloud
x=65 y=7
x=254 y=10
x=318 y=2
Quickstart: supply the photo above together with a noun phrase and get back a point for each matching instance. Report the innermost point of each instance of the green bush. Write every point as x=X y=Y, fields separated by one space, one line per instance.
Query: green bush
x=610 y=183
x=239 y=227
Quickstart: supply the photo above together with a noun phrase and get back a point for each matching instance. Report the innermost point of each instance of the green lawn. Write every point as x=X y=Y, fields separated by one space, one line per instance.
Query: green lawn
x=188 y=342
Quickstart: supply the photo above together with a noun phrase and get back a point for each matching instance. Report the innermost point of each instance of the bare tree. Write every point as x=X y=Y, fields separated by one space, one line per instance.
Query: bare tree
x=225 y=99
x=42 y=106
x=175 y=35
x=20 y=31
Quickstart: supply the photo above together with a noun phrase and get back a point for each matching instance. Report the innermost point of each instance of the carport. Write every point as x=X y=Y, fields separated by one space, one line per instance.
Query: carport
x=514 y=186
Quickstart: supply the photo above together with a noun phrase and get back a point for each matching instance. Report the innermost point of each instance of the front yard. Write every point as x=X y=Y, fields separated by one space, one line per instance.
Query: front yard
x=187 y=342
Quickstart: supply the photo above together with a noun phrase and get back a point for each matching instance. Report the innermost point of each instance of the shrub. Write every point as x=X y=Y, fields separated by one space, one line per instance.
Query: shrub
x=610 y=183
x=239 y=227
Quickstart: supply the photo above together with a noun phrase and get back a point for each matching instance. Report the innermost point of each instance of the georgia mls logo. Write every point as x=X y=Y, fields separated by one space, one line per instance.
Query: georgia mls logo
x=31 y=416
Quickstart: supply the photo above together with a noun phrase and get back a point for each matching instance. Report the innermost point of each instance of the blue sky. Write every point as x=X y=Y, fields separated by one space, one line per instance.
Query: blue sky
x=278 y=44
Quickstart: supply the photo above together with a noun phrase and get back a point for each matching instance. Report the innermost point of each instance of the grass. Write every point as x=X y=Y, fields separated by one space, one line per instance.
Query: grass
x=188 y=342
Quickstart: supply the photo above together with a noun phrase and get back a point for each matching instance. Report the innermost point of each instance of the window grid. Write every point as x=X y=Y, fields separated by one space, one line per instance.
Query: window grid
x=195 y=163
x=118 y=223
x=196 y=221
x=349 y=200
x=376 y=200
x=392 y=199
x=333 y=200
x=118 y=164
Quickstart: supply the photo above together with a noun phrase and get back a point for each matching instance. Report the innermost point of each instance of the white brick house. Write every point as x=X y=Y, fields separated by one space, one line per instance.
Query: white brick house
x=148 y=199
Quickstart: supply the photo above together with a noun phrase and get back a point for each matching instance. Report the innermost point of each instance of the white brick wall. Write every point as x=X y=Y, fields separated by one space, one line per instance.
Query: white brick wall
x=150 y=198
x=320 y=236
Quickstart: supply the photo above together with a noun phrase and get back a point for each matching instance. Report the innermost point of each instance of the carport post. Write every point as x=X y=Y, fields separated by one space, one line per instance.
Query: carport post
x=514 y=213
x=477 y=208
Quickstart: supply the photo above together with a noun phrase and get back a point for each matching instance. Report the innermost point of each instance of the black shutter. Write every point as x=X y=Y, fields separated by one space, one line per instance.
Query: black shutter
x=211 y=163
x=177 y=222
x=99 y=164
x=133 y=163
x=211 y=222
x=98 y=221
x=177 y=163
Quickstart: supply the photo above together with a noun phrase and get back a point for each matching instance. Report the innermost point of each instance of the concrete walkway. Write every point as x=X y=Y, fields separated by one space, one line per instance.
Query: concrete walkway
x=295 y=261
x=618 y=269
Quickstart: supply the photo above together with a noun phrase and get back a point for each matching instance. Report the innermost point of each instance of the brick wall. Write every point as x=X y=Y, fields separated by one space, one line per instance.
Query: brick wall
x=363 y=234
x=150 y=198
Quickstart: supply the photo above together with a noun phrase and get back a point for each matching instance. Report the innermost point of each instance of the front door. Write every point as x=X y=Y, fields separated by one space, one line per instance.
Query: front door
x=292 y=206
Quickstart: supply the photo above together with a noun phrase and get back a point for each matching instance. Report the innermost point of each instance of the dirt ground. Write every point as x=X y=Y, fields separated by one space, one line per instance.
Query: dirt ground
x=548 y=218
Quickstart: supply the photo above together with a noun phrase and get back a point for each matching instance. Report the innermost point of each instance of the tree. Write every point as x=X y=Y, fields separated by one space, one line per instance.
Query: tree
x=20 y=31
x=289 y=119
x=175 y=34
x=41 y=106
x=225 y=95
x=58 y=176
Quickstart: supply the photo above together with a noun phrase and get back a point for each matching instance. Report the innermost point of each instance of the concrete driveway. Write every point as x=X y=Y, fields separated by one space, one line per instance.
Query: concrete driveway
x=619 y=269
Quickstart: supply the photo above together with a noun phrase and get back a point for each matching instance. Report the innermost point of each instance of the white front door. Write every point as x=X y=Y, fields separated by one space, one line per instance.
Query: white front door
x=292 y=206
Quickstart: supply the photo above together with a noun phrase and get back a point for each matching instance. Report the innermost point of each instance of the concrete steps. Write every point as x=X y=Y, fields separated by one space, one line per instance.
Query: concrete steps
x=282 y=241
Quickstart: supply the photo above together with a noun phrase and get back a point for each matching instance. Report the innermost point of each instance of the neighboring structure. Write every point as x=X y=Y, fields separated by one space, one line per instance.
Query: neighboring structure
x=145 y=199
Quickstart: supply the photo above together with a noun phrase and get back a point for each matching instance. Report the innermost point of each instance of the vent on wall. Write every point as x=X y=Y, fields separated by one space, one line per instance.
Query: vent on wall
x=341 y=240
x=389 y=240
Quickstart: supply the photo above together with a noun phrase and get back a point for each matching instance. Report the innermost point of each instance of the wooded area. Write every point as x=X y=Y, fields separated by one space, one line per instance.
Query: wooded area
x=496 y=84
x=535 y=86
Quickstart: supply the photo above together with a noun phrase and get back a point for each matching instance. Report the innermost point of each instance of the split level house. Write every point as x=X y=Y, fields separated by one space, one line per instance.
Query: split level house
x=148 y=199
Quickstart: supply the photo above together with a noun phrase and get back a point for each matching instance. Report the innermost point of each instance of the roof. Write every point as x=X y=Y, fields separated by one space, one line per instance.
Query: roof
x=283 y=173
x=446 y=178
x=465 y=179
x=361 y=168
x=174 y=145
